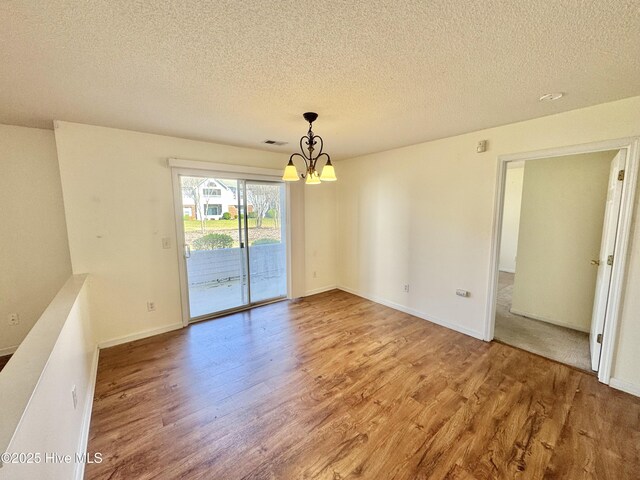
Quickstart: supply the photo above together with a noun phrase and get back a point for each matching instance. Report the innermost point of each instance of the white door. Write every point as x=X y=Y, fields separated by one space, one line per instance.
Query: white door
x=607 y=247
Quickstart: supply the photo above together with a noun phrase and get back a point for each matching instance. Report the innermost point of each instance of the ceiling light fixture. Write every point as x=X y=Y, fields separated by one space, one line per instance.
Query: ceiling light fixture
x=550 y=97
x=311 y=163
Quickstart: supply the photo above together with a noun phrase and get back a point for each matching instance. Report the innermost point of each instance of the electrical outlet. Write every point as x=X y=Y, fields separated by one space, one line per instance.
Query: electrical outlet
x=406 y=288
x=151 y=306
x=74 y=396
x=14 y=319
x=463 y=293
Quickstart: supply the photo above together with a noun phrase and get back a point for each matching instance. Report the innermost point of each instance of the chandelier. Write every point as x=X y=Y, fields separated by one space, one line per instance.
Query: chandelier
x=309 y=143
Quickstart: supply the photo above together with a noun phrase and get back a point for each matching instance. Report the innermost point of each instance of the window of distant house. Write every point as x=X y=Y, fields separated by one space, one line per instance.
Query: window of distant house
x=211 y=192
x=214 y=209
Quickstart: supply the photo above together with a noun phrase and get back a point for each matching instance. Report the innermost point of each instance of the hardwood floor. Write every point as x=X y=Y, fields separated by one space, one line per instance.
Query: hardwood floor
x=338 y=387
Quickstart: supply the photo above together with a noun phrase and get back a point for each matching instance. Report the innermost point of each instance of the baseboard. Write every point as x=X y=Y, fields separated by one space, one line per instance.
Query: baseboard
x=140 y=335
x=319 y=290
x=546 y=320
x=8 y=350
x=625 y=386
x=416 y=313
x=86 y=415
x=507 y=270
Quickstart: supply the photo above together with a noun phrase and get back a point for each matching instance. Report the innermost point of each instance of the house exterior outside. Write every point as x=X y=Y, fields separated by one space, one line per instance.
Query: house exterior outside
x=210 y=199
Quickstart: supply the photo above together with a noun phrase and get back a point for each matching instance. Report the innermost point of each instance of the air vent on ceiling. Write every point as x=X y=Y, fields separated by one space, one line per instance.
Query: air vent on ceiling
x=274 y=142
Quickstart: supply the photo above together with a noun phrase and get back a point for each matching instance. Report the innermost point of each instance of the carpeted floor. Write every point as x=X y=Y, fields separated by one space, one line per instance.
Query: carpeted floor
x=551 y=341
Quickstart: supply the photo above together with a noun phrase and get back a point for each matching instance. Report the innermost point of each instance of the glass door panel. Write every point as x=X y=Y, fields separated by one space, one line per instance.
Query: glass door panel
x=214 y=230
x=235 y=253
x=266 y=239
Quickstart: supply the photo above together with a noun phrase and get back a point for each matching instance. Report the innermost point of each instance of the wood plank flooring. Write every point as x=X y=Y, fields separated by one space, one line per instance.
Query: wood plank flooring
x=337 y=387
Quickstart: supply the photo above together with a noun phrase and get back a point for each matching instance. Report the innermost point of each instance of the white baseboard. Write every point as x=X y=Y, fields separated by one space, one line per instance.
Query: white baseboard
x=507 y=270
x=416 y=313
x=86 y=415
x=625 y=386
x=8 y=350
x=320 y=290
x=547 y=320
x=139 y=335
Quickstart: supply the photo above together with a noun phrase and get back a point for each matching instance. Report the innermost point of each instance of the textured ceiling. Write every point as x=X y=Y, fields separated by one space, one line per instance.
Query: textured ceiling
x=381 y=74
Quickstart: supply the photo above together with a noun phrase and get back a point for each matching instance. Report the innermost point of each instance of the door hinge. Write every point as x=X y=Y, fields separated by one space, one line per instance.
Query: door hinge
x=599 y=338
x=610 y=260
x=621 y=175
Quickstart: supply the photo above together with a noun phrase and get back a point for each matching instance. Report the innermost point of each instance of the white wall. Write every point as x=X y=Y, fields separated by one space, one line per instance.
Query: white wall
x=563 y=202
x=119 y=205
x=63 y=350
x=320 y=235
x=511 y=218
x=34 y=253
x=423 y=215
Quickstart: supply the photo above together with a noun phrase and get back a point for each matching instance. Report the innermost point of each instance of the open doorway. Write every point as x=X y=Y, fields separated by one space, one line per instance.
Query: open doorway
x=552 y=226
x=560 y=241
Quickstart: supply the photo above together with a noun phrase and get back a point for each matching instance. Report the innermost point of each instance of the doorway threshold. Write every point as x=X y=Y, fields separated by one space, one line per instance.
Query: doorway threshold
x=231 y=311
x=554 y=360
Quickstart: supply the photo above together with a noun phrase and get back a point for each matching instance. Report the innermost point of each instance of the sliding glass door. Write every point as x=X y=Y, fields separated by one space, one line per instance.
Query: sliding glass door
x=266 y=240
x=234 y=243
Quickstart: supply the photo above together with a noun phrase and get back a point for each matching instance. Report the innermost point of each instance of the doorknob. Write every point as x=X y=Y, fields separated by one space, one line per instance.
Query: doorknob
x=595 y=262
x=187 y=251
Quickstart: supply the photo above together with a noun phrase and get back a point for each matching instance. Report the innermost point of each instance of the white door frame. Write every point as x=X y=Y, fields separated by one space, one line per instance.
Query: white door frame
x=631 y=146
x=208 y=169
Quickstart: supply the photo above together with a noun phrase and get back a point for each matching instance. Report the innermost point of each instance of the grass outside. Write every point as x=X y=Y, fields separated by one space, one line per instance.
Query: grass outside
x=196 y=225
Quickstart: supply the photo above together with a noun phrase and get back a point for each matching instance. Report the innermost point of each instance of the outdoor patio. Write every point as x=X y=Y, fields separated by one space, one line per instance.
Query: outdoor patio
x=218 y=278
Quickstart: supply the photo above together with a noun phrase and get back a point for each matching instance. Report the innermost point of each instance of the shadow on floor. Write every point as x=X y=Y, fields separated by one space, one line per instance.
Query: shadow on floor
x=3 y=361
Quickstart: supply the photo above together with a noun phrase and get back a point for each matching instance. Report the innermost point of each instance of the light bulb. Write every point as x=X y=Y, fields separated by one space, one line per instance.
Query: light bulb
x=328 y=173
x=290 y=173
x=312 y=179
